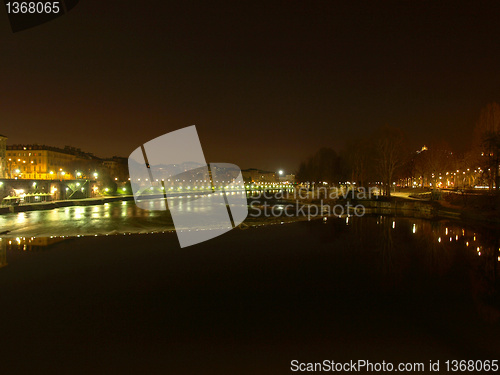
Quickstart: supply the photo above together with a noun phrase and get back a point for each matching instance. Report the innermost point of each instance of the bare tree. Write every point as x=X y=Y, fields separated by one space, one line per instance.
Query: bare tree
x=487 y=143
x=357 y=157
x=326 y=165
x=432 y=162
x=389 y=149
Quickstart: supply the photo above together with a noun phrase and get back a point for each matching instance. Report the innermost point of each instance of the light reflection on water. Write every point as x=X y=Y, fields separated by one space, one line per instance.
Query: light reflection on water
x=110 y=218
x=26 y=229
x=127 y=219
x=398 y=246
x=25 y=244
x=3 y=253
x=443 y=248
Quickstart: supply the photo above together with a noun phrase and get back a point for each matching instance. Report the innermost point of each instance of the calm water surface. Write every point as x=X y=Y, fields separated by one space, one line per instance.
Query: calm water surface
x=248 y=302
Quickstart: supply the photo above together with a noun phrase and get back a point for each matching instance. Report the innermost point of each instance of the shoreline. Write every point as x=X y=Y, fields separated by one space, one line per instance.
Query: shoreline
x=63 y=203
x=430 y=209
x=395 y=206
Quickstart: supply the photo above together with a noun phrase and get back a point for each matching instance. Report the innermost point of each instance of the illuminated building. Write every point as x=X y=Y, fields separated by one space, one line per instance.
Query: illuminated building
x=117 y=168
x=257 y=175
x=287 y=178
x=48 y=163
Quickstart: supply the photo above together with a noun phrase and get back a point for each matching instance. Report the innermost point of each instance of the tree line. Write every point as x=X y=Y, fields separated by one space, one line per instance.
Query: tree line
x=385 y=157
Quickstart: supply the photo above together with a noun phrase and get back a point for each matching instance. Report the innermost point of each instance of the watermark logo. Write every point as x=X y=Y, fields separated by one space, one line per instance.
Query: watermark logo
x=170 y=173
x=312 y=203
x=27 y=14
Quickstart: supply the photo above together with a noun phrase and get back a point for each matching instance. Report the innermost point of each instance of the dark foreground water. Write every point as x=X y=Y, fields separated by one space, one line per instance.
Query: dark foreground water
x=251 y=301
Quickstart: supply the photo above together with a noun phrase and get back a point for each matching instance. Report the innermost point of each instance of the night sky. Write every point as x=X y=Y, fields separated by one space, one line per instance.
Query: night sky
x=266 y=84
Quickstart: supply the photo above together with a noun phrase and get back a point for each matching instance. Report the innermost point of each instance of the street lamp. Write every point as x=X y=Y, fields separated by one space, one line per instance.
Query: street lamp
x=280 y=172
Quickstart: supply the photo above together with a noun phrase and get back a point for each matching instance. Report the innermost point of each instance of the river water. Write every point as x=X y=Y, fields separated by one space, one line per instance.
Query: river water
x=375 y=287
x=109 y=218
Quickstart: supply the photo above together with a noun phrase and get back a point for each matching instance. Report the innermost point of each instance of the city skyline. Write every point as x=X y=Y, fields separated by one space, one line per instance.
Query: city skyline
x=71 y=150
x=280 y=82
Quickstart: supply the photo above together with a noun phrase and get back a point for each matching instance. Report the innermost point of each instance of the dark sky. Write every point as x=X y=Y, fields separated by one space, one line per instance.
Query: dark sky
x=267 y=84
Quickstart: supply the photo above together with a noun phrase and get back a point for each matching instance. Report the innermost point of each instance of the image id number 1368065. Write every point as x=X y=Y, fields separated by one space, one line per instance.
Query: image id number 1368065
x=33 y=7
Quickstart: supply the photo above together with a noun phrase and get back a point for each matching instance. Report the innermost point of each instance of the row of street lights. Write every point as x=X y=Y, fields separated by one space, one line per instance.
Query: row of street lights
x=15 y=173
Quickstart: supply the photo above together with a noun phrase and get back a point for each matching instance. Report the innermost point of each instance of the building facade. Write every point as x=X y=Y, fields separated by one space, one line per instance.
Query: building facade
x=117 y=168
x=257 y=175
x=48 y=163
x=287 y=178
x=3 y=155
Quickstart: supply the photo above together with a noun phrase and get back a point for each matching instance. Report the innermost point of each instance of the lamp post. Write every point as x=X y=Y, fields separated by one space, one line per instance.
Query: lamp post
x=281 y=173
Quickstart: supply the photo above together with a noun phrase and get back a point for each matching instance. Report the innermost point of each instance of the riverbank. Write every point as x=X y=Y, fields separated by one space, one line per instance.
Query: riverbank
x=433 y=210
x=458 y=209
x=83 y=202
x=484 y=209
x=64 y=203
